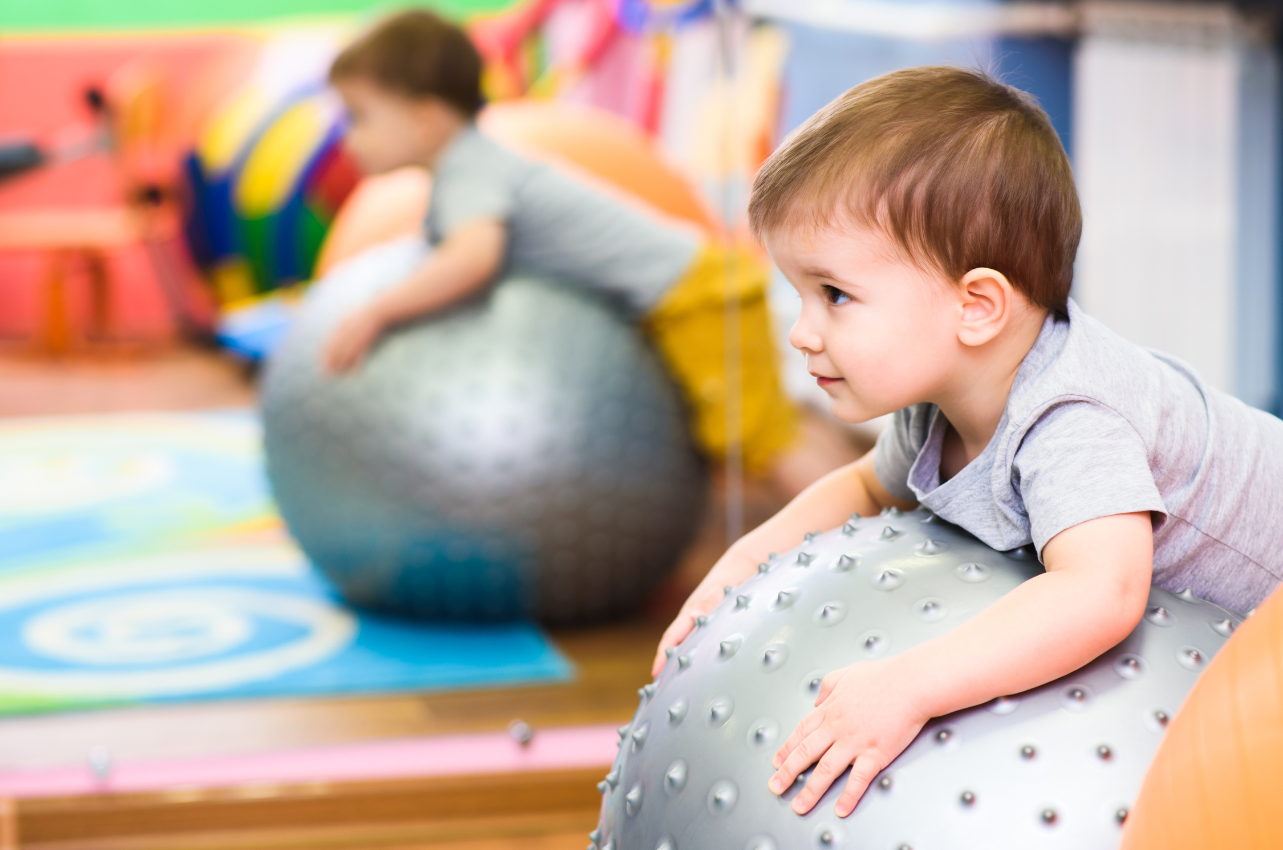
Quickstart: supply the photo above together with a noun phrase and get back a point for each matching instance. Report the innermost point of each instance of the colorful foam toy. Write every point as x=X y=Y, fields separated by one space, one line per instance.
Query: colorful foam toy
x=1217 y=779
x=266 y=180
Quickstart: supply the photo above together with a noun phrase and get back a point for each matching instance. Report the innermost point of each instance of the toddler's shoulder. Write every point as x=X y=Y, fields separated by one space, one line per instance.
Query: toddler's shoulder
x=473 y=155
x=1079 y=359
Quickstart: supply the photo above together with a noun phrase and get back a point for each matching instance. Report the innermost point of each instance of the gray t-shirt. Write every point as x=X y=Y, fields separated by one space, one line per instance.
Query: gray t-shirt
x=1095 y=426
x=557 y=226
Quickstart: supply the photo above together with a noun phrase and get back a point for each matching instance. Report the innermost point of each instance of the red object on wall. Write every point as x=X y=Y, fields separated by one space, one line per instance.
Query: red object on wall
x=42 y=96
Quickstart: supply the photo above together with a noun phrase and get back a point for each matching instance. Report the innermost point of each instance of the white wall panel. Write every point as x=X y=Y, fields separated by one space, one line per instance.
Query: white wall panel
x=1178 y=203
x=1256 y=354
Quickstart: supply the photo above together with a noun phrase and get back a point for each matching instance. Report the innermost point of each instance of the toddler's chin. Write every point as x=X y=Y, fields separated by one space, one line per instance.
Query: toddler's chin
x=852 y=411
x=845 y=410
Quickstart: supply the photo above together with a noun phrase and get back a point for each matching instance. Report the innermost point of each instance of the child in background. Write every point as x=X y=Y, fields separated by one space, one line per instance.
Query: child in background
x=928 y=219
x=412 y=86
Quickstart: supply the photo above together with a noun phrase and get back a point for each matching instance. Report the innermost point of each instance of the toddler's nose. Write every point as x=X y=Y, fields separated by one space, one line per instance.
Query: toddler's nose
x=804 y=339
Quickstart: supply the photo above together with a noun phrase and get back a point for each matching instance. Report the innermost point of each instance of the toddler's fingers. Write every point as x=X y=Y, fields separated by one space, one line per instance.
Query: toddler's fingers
x=339 y=354
x=808 y=725
x=835 y=761
x=661 y=657
x=327 y=357
x=862 y=772
x=359 y=347
x=803 y=756
x=672 y=636
x=334 y=364
x=828 y=683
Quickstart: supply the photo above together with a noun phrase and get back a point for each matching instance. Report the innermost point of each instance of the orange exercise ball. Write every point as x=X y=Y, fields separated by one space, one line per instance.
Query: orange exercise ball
x=597 y=145
x=604 y=146
x=1217 y=779
x=382 y=207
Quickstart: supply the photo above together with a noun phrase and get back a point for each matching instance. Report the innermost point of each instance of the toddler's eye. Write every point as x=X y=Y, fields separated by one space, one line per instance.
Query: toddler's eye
x=835 y=296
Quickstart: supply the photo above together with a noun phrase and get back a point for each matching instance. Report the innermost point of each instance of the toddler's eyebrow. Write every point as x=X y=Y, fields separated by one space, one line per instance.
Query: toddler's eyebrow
x=826 y=274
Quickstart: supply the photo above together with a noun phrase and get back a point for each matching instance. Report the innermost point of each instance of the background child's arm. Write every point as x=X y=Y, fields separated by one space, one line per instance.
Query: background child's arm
x=828 y=502
x=463 y=263
x=1091 y=597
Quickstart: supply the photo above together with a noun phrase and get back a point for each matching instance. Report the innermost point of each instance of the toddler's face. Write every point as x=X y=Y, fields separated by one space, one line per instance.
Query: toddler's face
x=878 y=332
x=387 y=130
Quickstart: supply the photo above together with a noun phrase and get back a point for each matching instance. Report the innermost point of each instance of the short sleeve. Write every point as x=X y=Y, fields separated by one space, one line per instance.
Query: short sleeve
x=474 y=178
x=898 y=446
x=1082 y=461
x=458 y=198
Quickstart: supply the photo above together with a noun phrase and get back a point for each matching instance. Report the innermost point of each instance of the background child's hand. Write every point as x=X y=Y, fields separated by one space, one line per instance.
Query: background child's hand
x=865 y=716
x=349 y=342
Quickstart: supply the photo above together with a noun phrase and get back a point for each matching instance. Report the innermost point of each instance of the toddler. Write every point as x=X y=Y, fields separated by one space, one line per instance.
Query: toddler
x=928 y=220
x=412 y=86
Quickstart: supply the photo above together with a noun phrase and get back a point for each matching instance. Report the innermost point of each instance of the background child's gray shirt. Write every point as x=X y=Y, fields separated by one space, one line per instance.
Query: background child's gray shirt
x=1096 y=426
x=557 y=226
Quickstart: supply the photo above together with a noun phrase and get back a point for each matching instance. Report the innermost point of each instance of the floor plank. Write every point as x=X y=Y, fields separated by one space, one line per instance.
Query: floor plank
x=175 y=379
x=433 y=811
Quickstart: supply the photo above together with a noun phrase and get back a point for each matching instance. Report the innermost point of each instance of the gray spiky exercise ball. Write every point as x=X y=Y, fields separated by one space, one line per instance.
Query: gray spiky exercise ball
x=524 y=454
x=1055 y=767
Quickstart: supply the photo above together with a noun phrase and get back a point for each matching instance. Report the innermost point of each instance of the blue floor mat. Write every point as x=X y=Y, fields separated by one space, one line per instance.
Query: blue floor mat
x=146 y=565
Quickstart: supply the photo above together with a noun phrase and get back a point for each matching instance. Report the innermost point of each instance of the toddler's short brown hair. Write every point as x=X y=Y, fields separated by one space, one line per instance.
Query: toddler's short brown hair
x=418 y=54
x=959 y=169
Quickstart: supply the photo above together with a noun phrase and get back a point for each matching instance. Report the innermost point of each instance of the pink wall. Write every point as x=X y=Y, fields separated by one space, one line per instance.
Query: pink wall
x=42 y=81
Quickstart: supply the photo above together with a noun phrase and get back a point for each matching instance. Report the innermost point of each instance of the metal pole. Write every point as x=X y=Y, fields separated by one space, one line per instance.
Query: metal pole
x=734 y=378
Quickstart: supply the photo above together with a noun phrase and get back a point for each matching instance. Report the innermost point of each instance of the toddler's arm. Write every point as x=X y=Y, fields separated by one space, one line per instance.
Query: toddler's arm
x=853 y=488
x=1090 y=598
x=463 y=263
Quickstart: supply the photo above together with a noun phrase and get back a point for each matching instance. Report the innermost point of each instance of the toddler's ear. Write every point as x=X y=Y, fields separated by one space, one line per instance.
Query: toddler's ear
x=987 y=300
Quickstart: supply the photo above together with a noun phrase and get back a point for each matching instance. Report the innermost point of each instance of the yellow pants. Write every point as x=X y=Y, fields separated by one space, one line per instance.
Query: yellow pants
x=688 y=327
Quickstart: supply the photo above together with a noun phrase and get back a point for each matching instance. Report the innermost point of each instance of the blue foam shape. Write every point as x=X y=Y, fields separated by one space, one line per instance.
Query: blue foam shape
x=254 y=332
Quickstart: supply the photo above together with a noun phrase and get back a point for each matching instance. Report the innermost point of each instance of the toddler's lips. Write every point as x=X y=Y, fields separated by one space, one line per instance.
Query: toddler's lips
x=825 y=380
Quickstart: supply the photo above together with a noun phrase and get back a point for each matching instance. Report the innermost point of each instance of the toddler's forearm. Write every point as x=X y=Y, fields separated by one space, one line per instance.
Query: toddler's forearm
x=460 y=267
x=1046 y=628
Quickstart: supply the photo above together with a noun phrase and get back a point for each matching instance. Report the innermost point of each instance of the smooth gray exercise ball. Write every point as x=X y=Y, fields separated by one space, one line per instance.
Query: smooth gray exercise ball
x=524 y=454
x=1056 y=767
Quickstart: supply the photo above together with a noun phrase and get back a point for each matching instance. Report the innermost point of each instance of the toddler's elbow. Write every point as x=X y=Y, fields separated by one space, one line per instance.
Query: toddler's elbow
x=1129 y=596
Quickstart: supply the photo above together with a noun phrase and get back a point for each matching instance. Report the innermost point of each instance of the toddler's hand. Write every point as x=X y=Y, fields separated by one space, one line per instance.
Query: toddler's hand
x=865 y=716
x=349 y=342
x=730 y=570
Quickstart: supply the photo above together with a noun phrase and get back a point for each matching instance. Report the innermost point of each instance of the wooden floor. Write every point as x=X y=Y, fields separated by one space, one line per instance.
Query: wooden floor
x=173 y=379
x=555 y=813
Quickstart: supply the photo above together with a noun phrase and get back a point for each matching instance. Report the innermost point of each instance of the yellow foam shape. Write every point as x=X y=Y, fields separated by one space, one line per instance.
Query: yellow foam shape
x=233 y=281
x=227 y=132
x=273 y=167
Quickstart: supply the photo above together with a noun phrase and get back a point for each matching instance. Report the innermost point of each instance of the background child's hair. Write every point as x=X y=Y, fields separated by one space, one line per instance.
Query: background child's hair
x=959 y=169
x=418 y=54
